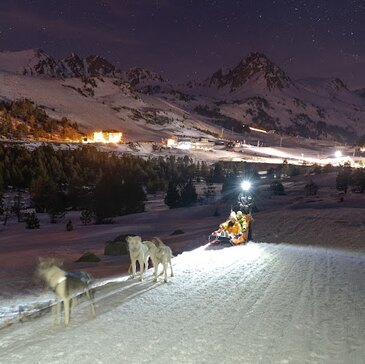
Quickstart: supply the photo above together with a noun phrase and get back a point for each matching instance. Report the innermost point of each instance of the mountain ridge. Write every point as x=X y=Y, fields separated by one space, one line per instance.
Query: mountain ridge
x=254 y=92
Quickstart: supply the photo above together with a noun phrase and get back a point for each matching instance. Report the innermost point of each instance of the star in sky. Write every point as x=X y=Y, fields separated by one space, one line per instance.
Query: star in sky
x=178 y=39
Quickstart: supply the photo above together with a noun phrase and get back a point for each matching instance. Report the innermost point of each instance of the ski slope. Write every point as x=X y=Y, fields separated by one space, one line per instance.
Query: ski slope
x=259 y=303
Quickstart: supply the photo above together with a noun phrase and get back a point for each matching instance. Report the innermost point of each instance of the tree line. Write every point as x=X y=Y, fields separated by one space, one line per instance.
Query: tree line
x=350 y=178
x=104 y=183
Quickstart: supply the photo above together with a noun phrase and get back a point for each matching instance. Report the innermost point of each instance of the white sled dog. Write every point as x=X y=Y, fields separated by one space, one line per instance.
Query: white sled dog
x=138 y=251
x=160 y=253
x=66 y=285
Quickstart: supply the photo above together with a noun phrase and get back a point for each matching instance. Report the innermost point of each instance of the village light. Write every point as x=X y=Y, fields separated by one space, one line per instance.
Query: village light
x=105 y=137
x=171 y=142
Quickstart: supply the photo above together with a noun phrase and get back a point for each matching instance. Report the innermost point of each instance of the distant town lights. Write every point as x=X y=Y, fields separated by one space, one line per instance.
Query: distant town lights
x=105 y=137
x=171 y=142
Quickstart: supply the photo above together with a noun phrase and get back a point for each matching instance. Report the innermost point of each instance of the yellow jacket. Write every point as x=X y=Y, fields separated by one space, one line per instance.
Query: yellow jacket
x=244 y=222
x=235 y=229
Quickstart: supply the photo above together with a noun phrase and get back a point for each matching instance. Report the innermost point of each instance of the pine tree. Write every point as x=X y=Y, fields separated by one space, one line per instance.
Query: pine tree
x=188 y=194
x=172 y=198
x=32 y=221
x=343 y=178
x=311 y=188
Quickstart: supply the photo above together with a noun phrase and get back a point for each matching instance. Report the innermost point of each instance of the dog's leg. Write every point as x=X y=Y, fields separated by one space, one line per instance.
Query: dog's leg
x=165 y=270
x=172 y=272
x=155 y=271
x=57 y=312
x=141 y=268
x=89 y=296
x=134 y=268
x=74 y=301
x=146 y=264
x=66 y=303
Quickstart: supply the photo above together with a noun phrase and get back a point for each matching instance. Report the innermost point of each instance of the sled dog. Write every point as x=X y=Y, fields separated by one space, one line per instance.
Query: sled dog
x=160 y=253
x=138 y=251
x=66 y=285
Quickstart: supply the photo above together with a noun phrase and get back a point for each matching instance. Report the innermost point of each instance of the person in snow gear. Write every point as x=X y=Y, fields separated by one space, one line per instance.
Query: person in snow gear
x=237 y=229
x=230 y=229
x=245 y=203
x=244 y=220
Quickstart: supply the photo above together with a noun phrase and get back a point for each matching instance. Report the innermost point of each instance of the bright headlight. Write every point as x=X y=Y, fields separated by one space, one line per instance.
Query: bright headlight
x=246 y=185
x=338 y=154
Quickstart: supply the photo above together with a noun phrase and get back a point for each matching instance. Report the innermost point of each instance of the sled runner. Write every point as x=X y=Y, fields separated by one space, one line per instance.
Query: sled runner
x=213 y=239
x=218 y=242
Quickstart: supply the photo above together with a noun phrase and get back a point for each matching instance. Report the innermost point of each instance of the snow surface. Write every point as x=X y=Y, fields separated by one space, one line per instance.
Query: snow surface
x=259 y=303
x=295 y=295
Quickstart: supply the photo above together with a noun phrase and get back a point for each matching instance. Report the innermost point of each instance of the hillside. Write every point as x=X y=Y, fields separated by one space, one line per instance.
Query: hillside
x=96 y=95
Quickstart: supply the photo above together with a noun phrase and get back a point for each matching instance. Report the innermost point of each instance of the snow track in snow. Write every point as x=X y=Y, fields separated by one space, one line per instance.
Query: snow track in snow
x=259 y=303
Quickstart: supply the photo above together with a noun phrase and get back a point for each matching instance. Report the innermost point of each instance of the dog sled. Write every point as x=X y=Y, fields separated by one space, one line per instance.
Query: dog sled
x=219 y=241
x=223 y=240
x=235 y=231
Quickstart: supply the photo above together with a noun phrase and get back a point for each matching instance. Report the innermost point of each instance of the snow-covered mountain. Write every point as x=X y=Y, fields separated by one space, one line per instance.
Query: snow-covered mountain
x=139 y=77
x=35 y=62
x=255 y=70
x=256 y=91
x=29 y=62
x=91 y=66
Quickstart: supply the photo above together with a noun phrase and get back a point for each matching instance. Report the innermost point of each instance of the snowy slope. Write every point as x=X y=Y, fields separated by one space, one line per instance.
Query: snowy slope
x=259 y=303
x=94 y=94
x=107 y=105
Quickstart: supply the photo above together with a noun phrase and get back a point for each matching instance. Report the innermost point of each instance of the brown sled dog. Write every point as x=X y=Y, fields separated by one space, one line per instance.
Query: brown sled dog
x=66 y=285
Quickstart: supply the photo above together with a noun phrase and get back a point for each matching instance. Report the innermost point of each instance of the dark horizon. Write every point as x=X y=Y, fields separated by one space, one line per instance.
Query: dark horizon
x=184 y=41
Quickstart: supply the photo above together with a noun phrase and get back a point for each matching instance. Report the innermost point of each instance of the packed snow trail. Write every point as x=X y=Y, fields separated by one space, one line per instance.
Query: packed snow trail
x=259 y=303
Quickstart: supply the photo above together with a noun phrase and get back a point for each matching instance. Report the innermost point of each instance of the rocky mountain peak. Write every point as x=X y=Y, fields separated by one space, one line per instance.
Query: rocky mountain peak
x=140 y=76
x=36 y=62
x=42 y=64
x=99 y=66
x=255 y=67
x=336 y=84
x=74 y=65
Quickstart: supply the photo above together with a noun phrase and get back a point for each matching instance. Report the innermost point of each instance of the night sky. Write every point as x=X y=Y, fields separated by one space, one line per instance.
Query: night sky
x=185 y=39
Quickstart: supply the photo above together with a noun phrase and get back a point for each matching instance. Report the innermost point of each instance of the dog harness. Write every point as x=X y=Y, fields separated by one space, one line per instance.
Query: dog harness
x=62 y=279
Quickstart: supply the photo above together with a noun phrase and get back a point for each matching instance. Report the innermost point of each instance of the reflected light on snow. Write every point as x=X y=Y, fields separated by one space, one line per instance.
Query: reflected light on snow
x=209 y=260
x=184 y=146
